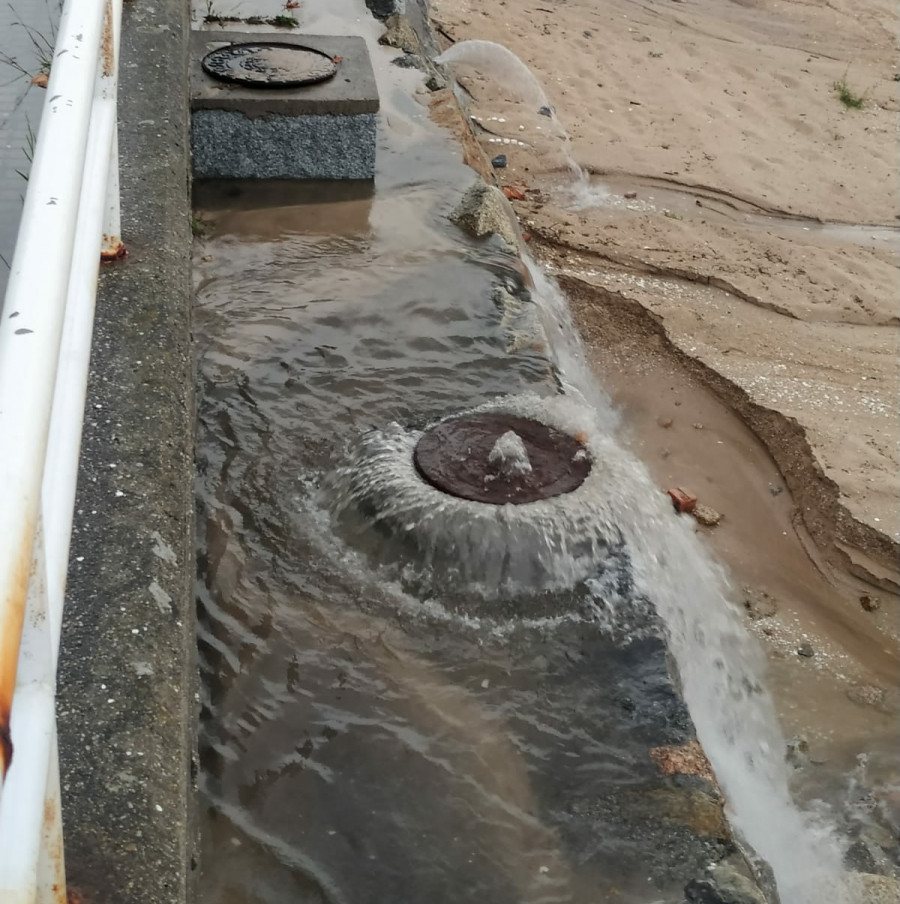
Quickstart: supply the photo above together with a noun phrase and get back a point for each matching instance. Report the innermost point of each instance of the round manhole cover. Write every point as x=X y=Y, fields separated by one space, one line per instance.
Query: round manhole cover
x=501 y=458
x=269 y=65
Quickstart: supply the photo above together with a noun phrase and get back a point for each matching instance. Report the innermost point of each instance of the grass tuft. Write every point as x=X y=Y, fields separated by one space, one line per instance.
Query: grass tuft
x=199 y=227
x=848 y=97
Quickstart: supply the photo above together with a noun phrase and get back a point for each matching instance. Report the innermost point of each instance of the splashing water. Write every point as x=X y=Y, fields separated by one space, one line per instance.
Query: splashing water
x=550 y=545
x=490 y=58
x=385 y=507
x=509 y=455
x=720 y=668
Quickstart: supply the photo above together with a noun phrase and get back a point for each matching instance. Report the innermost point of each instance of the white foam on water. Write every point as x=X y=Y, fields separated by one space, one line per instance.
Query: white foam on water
x=719 y=665
x=509 y=455
x=506 y=69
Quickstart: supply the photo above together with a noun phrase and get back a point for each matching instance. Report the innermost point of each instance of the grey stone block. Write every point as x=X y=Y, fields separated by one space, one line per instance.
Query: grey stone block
x=229 y=145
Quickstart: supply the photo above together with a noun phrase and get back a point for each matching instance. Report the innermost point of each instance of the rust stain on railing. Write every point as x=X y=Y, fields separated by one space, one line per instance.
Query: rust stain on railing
x=113 y=249
x=55 y=853
x=12 y=617
x=107 y=44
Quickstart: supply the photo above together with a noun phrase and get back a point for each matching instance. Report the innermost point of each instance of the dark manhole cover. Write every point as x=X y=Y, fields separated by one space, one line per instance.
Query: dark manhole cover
x=499 y=458
x=269 y=65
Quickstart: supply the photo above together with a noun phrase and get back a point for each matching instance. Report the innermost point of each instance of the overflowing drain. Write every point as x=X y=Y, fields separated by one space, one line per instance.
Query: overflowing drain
x=501 y=458
x=506 y=499
x=269 y=65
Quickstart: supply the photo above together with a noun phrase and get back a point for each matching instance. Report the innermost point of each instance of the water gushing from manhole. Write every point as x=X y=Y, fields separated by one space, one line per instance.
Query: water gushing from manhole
x=501 y=458
x=509 y=456
x=534 y=520
x=617 y=513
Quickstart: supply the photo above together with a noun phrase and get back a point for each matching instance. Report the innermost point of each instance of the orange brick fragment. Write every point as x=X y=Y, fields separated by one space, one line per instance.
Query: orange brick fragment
x=513 y=193
x=682 y=499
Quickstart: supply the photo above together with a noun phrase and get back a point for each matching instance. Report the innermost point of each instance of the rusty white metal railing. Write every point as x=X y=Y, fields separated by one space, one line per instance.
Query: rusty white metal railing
x=70 y=222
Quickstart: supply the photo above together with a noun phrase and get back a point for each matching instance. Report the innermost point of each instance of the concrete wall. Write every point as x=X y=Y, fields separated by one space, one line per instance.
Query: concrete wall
x=127 y=681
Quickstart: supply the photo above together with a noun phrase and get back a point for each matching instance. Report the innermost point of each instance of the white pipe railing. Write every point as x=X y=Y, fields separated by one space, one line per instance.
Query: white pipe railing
x=69 y=222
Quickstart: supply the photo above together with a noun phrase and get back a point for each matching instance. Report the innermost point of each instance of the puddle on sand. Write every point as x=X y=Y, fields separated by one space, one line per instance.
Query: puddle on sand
x=689 y=438
x=606 y=197
x=358 y=744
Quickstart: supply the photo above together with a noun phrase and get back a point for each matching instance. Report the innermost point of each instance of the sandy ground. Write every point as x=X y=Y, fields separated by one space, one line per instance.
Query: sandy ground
x=763 y=234
x=732 y=263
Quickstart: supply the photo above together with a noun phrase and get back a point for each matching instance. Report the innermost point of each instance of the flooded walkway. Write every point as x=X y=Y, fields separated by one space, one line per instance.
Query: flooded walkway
x=358 y=744
x=363 y=738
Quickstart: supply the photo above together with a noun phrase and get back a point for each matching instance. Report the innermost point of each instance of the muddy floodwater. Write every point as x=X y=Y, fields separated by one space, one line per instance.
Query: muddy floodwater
x=376 y=729
x=359 y=744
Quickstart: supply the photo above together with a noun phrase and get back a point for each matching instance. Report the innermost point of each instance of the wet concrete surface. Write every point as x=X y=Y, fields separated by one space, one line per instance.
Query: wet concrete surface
x=359 y=742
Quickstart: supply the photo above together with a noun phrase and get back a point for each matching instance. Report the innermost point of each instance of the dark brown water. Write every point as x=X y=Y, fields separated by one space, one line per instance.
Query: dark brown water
x=364 y=738
x=359 y=744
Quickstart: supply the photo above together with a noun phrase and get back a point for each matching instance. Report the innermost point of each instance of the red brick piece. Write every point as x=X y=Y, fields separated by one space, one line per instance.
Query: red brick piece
x=682 y=499
x=513 y=193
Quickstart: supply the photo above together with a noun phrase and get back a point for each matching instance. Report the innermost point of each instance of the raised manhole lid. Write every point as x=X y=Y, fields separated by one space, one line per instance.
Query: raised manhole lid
x=269 y=65
x=499 y=458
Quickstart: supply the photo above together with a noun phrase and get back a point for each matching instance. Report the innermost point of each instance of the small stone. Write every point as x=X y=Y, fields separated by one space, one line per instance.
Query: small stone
x=686 y=759
x=697 y=425
x=665 y=453
x=806 y=651
x=400 y=34
x=483 y=210
x=797 y=753
x=630 y=195
x=588 y=34
x=208 y=257
x=865 y=857
x=499 y=162
x=664 y=422
x=868 y=889
x=545 y=111
x=724 y=885
x=701 y=811
x=706 y=515
x=776 y=491
x=869 y=603
x=759 y=604
x=409 y=61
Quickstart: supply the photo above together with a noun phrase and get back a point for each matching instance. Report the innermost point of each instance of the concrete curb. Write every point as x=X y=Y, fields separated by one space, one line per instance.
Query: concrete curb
x=127 y=680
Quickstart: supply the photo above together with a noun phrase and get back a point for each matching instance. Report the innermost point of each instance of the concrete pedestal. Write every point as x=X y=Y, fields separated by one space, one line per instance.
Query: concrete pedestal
x=321 y=131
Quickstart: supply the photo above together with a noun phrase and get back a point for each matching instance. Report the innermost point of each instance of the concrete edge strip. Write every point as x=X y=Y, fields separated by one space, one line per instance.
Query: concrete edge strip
x=128 y=677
